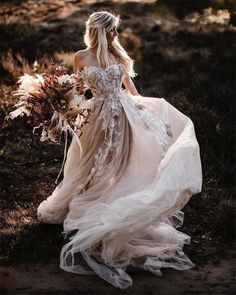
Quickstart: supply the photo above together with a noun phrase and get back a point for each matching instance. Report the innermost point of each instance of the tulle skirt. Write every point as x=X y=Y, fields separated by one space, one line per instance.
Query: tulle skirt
x=124 y=199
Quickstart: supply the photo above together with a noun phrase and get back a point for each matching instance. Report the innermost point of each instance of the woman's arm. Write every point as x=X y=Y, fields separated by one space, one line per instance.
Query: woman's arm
x=129 y=85
x=77 y=65
x=78 y=61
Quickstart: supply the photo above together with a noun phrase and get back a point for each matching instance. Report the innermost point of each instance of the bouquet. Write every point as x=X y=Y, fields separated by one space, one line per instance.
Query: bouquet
x=53 y=100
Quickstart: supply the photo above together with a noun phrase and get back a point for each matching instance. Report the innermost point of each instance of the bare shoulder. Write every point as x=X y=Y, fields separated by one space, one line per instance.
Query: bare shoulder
x=79 y=58
x=80 y=55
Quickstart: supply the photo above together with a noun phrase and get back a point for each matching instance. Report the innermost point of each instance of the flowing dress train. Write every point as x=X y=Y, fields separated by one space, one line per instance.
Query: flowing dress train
x=124 y=191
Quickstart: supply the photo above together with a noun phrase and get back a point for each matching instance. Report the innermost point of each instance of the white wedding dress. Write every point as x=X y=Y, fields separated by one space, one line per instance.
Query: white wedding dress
x=123 y=192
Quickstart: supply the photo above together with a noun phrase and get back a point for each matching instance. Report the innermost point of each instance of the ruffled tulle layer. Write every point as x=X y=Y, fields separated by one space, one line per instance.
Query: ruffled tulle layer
x=127 y=210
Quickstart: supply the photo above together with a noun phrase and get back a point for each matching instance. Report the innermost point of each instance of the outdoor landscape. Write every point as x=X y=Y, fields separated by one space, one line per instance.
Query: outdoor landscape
x=184 y=51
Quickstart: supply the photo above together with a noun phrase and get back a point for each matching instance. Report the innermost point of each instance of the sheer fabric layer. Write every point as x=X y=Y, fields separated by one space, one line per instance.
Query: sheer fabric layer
x=124 y=194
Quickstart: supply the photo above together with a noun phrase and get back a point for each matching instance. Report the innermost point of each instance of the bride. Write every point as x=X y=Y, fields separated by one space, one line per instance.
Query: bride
x=121 y=196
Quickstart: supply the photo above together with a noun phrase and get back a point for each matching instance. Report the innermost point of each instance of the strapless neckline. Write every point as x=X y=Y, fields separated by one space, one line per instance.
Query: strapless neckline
x=99 y=68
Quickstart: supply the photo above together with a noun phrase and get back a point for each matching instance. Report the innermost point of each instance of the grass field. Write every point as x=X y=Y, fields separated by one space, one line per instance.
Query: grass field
x=181 y=55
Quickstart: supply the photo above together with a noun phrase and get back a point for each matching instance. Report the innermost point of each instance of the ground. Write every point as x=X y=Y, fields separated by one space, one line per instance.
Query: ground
x=49 y=279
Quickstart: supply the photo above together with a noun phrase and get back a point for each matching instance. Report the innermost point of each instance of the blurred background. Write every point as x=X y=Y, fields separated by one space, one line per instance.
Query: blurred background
x=184 y=51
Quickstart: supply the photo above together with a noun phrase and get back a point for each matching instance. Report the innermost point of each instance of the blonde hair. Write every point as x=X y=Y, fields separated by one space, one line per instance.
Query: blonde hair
x=97 y=26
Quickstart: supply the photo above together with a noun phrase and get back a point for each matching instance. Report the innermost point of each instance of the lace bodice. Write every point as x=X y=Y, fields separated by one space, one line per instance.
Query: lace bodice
x=103 y=82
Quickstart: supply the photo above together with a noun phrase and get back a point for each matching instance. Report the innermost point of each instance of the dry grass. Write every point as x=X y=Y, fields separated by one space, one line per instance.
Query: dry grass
x=190 y=65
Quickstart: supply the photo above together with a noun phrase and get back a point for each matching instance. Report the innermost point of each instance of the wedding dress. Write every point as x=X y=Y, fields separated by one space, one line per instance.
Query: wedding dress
x=123 y=192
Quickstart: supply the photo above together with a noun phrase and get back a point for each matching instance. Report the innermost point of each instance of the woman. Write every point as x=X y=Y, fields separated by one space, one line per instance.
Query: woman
x=139 y=165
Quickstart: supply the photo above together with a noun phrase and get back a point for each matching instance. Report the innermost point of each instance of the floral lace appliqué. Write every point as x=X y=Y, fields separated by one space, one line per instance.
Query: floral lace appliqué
x=152 y=121
x=105 y=86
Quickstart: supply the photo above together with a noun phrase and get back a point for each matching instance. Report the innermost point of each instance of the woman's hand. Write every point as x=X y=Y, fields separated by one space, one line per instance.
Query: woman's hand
x=74 y=112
